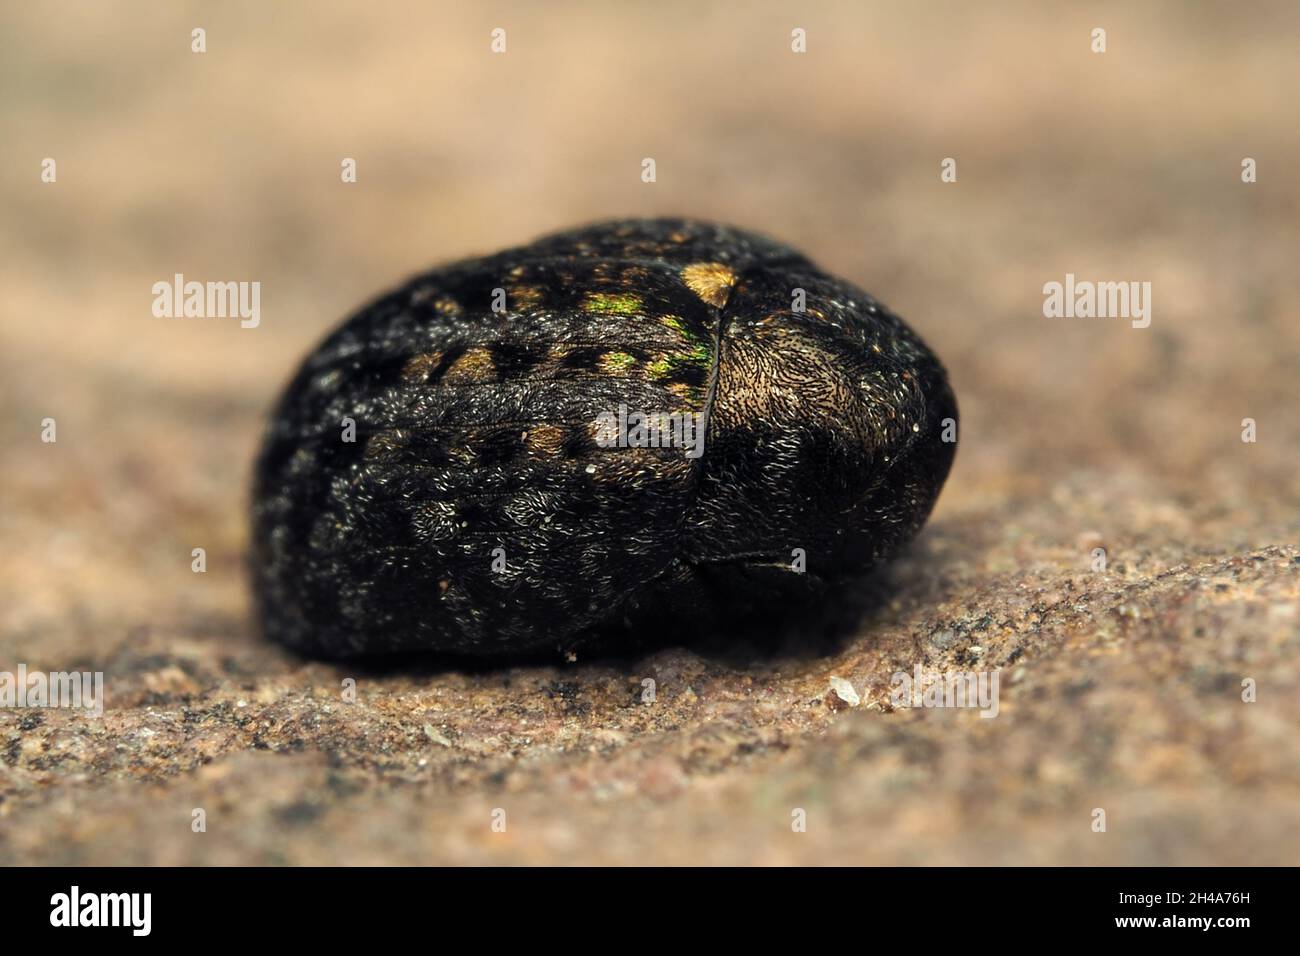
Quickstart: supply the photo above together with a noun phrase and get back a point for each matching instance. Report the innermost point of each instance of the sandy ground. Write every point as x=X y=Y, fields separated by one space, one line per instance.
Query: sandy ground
x=1120 y=690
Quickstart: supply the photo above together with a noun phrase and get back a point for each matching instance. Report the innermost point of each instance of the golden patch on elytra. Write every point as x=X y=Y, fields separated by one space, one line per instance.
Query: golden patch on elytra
x=685 y=392
x=527 y=296
x=418 y=367
x=711 y=281
x=446 y=305
x=545 y=439
x=475 y=365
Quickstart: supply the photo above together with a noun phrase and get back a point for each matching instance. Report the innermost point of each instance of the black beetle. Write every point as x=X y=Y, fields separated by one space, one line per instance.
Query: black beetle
x=644 y=420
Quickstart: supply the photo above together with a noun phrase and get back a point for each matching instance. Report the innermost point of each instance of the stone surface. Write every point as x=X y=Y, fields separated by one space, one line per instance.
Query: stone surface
x=1119 y=689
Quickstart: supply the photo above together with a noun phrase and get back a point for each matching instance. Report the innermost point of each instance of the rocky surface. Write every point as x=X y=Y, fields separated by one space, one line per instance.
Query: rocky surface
x=1119 y=688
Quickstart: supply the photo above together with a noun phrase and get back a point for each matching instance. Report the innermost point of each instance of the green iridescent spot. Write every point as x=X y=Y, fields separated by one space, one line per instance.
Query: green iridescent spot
x=660 y=369
x=617 y=361
x=616 y=303
x=700 y=356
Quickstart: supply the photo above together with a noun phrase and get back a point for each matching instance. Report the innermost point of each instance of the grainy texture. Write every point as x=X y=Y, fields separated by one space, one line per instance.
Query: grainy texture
x=459 y=468
x=1120 y=689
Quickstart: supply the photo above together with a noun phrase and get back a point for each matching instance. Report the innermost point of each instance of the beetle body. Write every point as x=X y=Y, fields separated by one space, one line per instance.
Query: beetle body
x=638 y=420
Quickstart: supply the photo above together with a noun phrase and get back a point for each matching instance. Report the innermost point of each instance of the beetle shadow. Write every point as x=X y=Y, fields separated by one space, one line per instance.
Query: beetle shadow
x=812 y=628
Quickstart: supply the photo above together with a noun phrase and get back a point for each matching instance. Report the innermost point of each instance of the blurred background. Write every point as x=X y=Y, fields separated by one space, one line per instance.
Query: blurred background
x=1075 y=433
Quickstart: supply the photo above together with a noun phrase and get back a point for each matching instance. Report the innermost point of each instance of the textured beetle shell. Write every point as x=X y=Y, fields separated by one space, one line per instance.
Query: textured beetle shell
x=475 y=431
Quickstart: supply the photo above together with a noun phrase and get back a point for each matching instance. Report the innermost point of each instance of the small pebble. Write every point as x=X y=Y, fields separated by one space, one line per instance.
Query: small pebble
x=843 y=691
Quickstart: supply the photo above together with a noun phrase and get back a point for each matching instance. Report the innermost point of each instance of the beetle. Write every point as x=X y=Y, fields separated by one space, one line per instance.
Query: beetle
x=495 y=459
